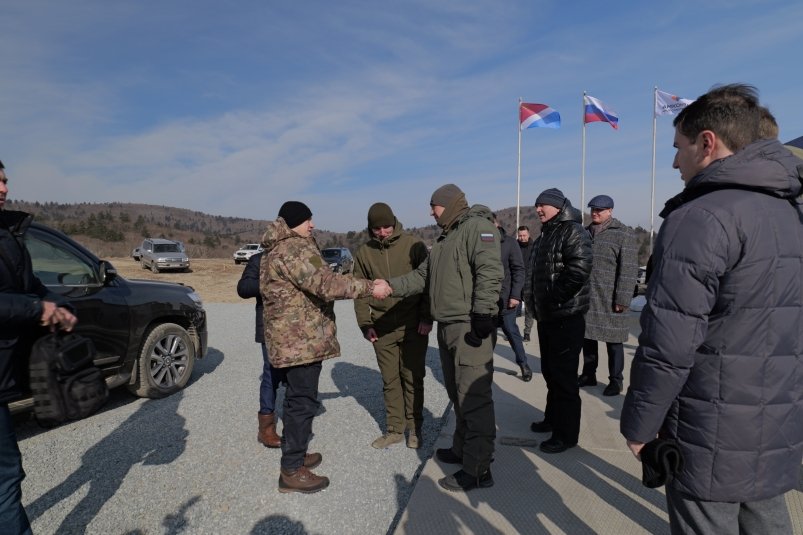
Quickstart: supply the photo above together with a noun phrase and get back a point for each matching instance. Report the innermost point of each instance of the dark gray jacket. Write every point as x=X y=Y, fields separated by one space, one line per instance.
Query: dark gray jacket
x=513 y=283
x=613 y=278
x=560 y=265
x=719 y=365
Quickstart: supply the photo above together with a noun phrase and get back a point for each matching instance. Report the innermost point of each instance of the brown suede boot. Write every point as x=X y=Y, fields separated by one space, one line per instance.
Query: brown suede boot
x=267 y=431
x=311 y=460
x=301 y=480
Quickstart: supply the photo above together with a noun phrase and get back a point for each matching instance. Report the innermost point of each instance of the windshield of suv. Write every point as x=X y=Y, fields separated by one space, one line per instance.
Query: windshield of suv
x=166 y=248
x=250 y=247
x=331 y=254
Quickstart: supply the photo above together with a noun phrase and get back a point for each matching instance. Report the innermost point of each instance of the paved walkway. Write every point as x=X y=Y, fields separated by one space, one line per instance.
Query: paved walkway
x=592 y=488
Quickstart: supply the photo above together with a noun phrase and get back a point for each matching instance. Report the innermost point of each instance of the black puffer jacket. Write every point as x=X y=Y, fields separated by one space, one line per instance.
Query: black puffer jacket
x=719 y=365
x=21 y=295
x=560 y=267
x=247 y=287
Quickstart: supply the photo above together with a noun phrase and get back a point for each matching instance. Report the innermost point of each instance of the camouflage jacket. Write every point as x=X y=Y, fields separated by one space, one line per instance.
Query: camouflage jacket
x=298 y=290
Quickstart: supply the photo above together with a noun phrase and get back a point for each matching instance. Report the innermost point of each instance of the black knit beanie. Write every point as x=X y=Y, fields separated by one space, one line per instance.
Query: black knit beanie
x=294 y=213
x=380 y=215
x=552 y=197
x=444 y=195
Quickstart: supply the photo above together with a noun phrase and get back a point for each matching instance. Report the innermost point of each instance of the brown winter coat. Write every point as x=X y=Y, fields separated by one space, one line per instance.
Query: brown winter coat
x=298 y=289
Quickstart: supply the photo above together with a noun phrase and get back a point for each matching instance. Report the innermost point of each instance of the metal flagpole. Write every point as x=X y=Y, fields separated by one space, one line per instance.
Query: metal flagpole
x=652 y=194
x=518 y=166
x=583 y=160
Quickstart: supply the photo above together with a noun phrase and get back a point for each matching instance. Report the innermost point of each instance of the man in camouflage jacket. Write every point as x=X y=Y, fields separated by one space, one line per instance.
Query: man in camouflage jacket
x=298 y=289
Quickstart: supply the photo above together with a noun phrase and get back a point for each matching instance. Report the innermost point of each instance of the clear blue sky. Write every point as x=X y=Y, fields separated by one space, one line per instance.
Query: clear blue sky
x=231 y=108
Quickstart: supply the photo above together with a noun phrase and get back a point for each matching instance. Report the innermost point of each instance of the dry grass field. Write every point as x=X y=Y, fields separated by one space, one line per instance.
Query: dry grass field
x=215 y=279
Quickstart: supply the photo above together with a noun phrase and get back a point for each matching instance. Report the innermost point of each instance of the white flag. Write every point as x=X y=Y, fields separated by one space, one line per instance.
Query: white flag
x=669 y=104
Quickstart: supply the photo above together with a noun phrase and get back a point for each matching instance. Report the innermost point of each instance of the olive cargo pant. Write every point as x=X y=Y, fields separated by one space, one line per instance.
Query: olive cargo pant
x=468 y=375
x=400 y=355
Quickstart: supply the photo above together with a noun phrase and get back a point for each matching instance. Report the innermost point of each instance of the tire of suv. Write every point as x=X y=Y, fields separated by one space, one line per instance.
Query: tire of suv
x=165 y=363
x=154 y=268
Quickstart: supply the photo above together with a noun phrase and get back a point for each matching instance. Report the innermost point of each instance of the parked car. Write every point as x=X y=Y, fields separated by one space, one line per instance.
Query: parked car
x=147 y=333
x=136 y=254
x=159 y=255
x=245 y=252
x=339 y=259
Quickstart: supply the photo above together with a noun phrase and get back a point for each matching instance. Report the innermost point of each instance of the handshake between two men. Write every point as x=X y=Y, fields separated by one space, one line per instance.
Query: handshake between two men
x=482 y=325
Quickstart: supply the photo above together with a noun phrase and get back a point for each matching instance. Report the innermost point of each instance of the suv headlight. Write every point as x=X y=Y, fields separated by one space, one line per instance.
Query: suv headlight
x=195 y=298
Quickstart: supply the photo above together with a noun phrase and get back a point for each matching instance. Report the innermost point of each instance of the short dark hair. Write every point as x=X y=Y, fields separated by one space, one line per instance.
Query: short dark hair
x=731 y=111
x=1 y=165
x=524 y=227
x=768 y=126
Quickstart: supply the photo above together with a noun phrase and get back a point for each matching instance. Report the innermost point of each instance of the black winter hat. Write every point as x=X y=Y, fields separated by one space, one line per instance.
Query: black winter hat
x=294 y=213
x=552 y=197
x=380 y=215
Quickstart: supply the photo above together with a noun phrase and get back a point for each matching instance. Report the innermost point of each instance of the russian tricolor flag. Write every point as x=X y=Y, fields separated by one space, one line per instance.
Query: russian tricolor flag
x=538 y=116
x=597 y=111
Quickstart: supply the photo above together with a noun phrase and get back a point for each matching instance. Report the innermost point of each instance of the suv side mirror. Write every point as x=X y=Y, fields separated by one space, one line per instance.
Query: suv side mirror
x=107 y=272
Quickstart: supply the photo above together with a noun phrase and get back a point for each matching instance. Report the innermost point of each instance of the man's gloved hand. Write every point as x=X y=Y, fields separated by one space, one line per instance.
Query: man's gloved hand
x=482 y=325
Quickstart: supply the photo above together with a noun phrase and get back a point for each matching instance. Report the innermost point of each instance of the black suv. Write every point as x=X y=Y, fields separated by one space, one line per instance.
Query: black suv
x=339 y=259
x=147 y=334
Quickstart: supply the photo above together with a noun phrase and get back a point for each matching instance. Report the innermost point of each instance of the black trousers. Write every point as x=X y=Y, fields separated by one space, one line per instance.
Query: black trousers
x=616 y=360
x=300 y=407
x=560 y=341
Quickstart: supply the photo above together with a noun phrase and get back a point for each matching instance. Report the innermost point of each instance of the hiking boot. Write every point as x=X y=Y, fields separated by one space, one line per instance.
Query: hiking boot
x=301 y=480
x=267 y=431
x=526 y=373
x=446 y=455
x=463 y=481
x=413 y=439
x=311 y=460
x=388 y=439
x=613 y=389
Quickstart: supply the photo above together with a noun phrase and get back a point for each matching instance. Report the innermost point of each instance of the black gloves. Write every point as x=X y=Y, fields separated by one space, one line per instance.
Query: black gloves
x=482 y=325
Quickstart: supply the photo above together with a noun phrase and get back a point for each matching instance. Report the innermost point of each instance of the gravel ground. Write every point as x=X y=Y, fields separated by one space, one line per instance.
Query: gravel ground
x=190 y=463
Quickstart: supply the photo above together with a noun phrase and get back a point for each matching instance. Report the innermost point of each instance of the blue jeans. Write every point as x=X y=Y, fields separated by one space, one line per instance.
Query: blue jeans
x=511 y=330
x=269 y=382
x=13 y=519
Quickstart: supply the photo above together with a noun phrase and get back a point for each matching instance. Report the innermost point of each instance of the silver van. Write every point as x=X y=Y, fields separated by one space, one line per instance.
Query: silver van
x=160 y=255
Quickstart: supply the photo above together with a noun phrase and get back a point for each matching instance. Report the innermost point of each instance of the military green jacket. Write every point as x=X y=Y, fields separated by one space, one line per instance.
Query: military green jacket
x=298 y=289
x=400 y=253
x=464 y=270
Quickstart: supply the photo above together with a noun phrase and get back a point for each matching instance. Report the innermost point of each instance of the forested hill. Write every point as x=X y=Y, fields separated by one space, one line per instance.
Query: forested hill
x=114 y=229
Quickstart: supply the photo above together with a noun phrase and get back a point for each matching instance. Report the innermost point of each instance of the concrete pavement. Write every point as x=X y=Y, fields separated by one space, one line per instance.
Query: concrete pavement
x=592 y=488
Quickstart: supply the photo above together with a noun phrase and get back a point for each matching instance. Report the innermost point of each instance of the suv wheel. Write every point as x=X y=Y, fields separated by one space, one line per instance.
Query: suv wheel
x=154 y=268
x=165 y=363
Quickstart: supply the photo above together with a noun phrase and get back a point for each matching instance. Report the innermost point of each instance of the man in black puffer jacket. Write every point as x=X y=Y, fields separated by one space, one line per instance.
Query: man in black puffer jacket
x=558 y=292
x=719 y=367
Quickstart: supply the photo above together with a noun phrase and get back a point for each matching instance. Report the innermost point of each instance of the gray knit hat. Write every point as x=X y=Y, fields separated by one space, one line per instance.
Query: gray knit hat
x=552 y=197
x=445 y=194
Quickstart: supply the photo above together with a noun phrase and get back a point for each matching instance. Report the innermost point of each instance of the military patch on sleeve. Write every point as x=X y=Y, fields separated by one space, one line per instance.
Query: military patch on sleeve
x=487 y=236
x=316 y=261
